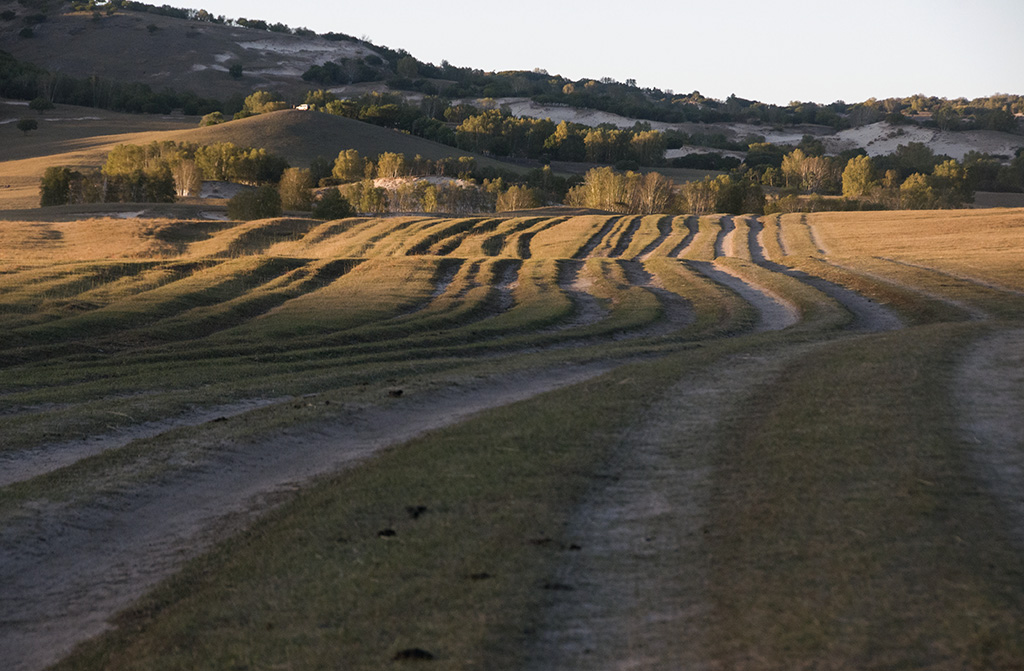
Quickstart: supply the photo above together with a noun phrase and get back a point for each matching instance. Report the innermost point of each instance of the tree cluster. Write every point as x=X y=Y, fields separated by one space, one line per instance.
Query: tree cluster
x=160 y=172
x=628 y=192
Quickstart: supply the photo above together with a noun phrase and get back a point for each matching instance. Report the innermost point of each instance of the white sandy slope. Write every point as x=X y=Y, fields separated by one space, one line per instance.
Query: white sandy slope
x=877 y=139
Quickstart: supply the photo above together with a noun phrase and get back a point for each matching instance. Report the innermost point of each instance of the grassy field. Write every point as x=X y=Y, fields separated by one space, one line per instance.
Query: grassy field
x=533 y=442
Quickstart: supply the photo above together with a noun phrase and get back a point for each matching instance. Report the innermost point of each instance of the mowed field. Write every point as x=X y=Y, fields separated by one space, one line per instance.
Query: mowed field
x=560 y=440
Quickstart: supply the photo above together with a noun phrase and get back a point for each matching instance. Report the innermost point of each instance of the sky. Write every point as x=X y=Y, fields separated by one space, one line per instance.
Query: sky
x=773 y=51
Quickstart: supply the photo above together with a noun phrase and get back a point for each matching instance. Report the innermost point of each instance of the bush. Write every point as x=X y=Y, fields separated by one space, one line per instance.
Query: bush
x=25 y=125
x=333 y=205
x=40 y=105
x=55 y=186
x=212 y=119
x=296 y=189
x=26 y=33
x=258 y=203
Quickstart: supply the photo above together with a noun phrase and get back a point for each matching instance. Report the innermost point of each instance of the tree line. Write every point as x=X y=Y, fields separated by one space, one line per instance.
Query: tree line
x=159 y=172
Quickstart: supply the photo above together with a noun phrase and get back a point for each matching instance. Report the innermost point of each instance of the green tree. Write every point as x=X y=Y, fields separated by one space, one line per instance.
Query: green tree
x=859 y=177
x=26 y=125
x=55 y=186
x=236 y=71
x=916 y=193
x=296 y=189
x=517 y=197
x=951 y=185
x=408 y=67
x=391 y=165
x=332 y=205
x=40 y=104
x=261 y=102
x=349 y=166
x=252 y=204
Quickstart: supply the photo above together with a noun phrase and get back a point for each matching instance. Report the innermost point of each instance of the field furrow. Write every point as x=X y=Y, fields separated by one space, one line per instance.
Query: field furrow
x=496 y=439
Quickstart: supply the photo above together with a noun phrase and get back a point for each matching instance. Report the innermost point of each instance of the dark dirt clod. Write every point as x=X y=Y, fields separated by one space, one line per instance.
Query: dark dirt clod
x=411 y=654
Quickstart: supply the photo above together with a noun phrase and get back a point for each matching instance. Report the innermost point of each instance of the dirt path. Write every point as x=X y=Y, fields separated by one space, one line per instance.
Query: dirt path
x=774 y=313
x=66 y=570
x=868 y=316
x=723 y=243
x=507 y=285
x=25 y=464
x=677 y=311
x=634 y=595
x=587 y=309
x=626 y=239
x=990 y=394
x=596 y=239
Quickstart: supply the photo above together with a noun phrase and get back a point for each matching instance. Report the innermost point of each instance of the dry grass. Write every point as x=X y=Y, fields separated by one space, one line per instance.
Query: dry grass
x=845 y=528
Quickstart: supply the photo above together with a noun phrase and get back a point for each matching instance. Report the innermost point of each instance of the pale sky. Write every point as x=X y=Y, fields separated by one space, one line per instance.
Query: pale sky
x=775 y=51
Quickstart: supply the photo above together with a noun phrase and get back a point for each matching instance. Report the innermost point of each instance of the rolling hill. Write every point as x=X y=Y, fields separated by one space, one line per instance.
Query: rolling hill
x=298 y=136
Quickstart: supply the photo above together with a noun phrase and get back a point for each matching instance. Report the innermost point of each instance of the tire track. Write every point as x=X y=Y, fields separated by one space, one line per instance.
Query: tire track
x=989 y=390
x=67 y=569
x=774 y=313
x=664 y=230
x=868 y=316
x=723 y=243
x=692 y=224
x=595 y=239
x=507 y=283
x=626 y=238
x=26 y=464
x=587 y=309
x=634 y=592
x=678 y=313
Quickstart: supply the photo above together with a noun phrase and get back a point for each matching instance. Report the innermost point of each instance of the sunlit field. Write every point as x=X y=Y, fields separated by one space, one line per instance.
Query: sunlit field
x=557 y=440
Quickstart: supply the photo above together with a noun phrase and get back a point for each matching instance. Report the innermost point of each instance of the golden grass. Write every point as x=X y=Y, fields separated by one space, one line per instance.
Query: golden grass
x=702 y=247
x=983 y=245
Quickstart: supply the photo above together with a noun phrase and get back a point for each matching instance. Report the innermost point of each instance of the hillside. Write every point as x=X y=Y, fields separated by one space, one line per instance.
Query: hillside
x=81 y=138
x=176 y=53
x=197 y=56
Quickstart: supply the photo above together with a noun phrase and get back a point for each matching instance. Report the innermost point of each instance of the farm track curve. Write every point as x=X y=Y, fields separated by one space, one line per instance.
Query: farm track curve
x=76 y=565
x=67 y=569
x=868 y=315
x=634 y=592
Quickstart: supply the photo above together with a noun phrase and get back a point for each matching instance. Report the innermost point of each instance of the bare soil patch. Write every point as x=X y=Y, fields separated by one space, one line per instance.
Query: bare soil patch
x=990 y=395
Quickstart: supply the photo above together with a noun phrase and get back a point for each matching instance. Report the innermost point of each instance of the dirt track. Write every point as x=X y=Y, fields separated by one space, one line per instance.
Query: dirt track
x=66 y=570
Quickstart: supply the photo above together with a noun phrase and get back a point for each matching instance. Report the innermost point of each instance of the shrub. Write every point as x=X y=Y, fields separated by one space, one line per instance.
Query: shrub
x=212 y=119
x=40 y=104
x=332 y=205
x=258 y=203
x=25 y=125
x=55 y=186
